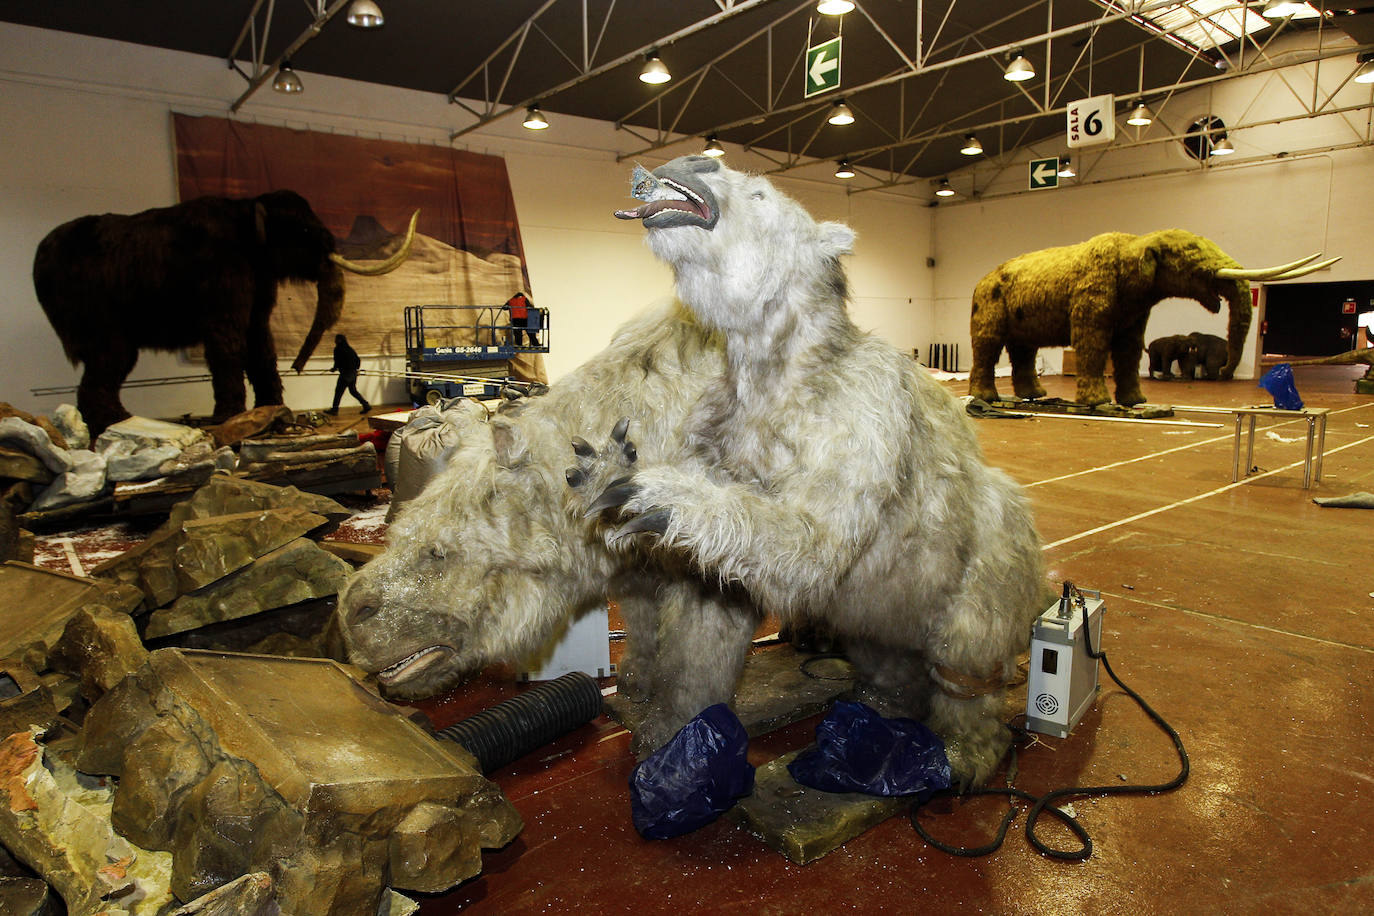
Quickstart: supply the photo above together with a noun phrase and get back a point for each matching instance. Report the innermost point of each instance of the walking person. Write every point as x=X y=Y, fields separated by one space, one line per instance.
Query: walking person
x=347 y=364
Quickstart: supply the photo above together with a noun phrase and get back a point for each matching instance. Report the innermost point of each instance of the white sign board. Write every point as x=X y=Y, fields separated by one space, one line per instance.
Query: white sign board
x=1091 y=121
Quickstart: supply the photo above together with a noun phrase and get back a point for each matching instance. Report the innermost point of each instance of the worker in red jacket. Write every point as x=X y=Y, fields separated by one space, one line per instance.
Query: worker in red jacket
x=524 y=319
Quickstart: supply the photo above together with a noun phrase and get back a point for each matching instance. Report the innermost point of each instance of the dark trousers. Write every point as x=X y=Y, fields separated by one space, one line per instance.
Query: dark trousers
x=348 y=382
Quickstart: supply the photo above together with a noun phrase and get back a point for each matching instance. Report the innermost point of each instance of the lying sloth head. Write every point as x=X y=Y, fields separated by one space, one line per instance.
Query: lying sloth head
x=739 y=247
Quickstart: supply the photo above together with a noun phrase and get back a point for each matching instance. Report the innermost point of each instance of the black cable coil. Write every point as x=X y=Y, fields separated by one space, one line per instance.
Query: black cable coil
x=515 y=727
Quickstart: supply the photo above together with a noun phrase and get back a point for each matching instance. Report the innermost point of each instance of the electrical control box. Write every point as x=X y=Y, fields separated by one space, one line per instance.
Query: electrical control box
x=1063 y=676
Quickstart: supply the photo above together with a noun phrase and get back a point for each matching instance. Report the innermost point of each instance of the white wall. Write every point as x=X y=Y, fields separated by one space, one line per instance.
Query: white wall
x=87 y=130
x=1262 y=211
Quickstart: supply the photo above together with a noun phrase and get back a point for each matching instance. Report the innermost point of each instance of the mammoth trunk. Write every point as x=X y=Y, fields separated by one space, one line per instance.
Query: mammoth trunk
x=328 y=307
x=1237 y=326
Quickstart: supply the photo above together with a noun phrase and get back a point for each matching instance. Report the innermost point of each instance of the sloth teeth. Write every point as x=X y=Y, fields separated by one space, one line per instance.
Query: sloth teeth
x=422 y=659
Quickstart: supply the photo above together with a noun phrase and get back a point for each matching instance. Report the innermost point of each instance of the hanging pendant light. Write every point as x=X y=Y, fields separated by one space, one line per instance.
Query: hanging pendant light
x=1284 y=9
x=840 y=114
x=1366 y=72
x=286 y=80
x=365 y=15
x=834 y=7
x=1066 y=167
x=1019 y=69
x=944 y=190
x=1140 y=115
x=843 y=169
x=713 y=148
x=971 y=147
x=534 y=118
x=655 y=71
x=1222 y=147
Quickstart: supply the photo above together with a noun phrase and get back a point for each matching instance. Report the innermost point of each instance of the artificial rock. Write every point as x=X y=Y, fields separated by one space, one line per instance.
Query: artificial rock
x=295 y=572
x=57 y=822
x=100 y=647
x=36 y=604
x=291 y=767
x=177 y=559
x=230 y=495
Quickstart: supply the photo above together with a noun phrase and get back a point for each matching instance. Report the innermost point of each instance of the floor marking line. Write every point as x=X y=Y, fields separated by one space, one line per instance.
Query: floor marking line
x=1201 y=496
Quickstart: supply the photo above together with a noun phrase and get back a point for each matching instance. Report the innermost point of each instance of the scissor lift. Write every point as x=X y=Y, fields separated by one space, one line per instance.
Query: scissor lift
x=464 y=350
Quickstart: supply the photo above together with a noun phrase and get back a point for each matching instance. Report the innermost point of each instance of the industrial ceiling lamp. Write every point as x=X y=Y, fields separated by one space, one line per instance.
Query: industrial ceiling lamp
x=655 y=71
x=834 y=7
x=286 y=80
x=1222 y=147
x=534 y=118
x=365 y=15
x=1066 y=167
x=971 y=146
x=1366 y=72
x=1283 y=9
x=844 y=170
x=944 y=190
x=713 y=148
x=1019 y=69
x=1140 y=115
x=840 y=114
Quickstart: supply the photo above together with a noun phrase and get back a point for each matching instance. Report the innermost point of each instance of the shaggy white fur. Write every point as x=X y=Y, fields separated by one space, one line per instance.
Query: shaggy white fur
x=786 y=460
x=825 y=474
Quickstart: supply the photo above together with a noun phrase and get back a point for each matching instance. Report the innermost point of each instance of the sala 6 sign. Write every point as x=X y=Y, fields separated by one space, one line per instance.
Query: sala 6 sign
x=1091 y=121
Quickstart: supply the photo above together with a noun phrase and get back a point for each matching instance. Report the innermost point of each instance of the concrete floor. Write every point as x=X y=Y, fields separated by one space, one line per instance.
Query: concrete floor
x=1241 y=612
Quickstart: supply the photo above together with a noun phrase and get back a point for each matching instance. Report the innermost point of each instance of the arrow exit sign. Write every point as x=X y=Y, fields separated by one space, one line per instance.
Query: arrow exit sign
x=1044 y=173
x=822 y=67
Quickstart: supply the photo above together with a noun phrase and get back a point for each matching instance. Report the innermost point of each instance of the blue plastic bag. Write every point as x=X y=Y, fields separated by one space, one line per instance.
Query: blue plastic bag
x=1278 y=381
x=858 y=750
x=694 y=778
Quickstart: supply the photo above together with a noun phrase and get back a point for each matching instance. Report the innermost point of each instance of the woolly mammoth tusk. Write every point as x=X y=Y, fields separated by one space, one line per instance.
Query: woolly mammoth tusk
x=387 y=266
x=1304 y=271
x=1263 y=273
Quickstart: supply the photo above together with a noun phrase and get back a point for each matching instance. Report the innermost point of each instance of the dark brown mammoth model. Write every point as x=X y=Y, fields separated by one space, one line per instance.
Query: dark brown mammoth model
x=1096 y=296
x=201 y=272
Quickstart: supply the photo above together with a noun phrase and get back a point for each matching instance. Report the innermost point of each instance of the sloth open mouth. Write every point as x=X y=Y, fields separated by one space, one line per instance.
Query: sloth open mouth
x=671 y=203
x=413 y=664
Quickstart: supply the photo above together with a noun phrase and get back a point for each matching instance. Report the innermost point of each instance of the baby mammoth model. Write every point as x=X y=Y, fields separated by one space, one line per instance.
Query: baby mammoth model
x=1096 y=296
x=1180 y=348
x=824 y=473
x=201 y=272
x=1212 y=354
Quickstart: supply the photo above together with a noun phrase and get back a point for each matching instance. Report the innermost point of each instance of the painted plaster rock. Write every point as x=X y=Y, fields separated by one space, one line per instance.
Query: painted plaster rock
x=25 y=703
x=178 y=559
x=249 y=895
x=37 y=603
x=244 y=763
x=293 y=573
x=100 y=647
x=55 y=434
x=69 y=422
x=230 y=495
x=83 y=479
x=27 y=897
x=57 y=822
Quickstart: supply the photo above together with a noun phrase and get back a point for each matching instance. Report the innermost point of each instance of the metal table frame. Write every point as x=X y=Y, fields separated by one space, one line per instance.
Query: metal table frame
x=1316 y=435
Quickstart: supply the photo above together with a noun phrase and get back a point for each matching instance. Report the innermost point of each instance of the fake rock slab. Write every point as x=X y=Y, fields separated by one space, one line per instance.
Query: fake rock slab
x=245 y=763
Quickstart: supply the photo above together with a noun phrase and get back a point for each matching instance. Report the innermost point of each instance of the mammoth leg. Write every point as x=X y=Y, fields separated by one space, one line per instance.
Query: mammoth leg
x=1023 y=377
x=97 y=396
x=981 y=378
x=1127 y=346
x=703 y=639
x=260 y=362
x=1090 y=346
x=224 y=358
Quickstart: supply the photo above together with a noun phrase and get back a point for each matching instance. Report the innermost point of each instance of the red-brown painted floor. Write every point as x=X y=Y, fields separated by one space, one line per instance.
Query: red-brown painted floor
x=1244 y=614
